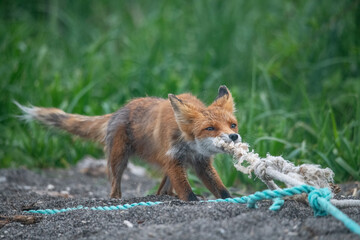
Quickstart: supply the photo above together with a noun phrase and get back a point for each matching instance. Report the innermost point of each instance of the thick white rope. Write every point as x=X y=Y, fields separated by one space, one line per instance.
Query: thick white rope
x=345 y=202
x=273 y=168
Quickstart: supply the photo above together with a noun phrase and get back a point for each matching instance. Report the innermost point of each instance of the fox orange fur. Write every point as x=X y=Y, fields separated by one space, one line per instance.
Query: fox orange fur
x=172 y=133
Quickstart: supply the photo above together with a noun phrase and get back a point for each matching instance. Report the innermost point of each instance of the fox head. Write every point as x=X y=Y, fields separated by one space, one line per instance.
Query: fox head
x=202 y=124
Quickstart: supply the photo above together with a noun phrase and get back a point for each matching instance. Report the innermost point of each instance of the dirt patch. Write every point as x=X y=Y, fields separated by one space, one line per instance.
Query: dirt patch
x=21 y=189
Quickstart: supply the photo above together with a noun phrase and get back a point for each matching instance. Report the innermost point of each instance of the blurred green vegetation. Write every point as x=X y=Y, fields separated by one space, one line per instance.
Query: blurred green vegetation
x=292 y=66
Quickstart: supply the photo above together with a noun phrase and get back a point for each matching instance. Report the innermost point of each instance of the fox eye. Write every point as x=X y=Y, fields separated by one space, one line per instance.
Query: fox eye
x=233 y=125
x=210 y=128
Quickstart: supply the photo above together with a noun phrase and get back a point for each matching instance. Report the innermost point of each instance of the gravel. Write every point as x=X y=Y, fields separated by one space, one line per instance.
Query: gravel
x=22 y=189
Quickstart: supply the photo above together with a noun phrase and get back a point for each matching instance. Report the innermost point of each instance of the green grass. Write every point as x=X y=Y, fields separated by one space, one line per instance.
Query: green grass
x=293 y=68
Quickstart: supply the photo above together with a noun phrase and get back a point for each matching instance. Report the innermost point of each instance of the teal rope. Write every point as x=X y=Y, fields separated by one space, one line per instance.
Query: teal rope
x=268 y=194
x=105 y=208
x=319 y=200
x=314 y=198
x=277 y=204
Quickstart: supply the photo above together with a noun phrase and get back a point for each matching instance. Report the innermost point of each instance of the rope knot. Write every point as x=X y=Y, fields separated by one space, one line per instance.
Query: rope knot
x=314 y=196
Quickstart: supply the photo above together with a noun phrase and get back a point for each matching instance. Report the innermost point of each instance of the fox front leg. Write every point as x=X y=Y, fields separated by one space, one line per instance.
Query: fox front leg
x=178 y=180
x=208 y=175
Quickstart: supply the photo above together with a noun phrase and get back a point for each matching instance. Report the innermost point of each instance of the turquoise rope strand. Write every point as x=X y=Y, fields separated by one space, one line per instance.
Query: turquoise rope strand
x=250 y=200
x=105 y=208
x=277 y=204
x=319 y=200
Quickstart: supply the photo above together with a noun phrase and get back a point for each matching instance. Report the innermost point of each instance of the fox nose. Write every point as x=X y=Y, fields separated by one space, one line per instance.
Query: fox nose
x=233 y=136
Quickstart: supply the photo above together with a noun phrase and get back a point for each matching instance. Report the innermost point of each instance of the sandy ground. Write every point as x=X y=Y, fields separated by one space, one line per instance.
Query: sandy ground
x=21 y=189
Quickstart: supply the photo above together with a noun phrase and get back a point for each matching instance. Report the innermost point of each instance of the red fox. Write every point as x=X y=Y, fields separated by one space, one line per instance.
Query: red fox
x=173 y=133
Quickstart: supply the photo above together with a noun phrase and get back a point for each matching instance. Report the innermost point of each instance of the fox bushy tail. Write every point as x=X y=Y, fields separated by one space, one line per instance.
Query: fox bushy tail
x=93 y=128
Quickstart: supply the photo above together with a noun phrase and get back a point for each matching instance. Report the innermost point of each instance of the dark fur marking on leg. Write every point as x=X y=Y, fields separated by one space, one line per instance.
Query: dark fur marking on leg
x=224 y=193
x=192 y=197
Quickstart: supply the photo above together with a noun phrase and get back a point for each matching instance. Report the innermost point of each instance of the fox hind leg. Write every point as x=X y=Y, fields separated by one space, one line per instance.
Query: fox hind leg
x=118 y=157
x=117 y=170
x=165 y=187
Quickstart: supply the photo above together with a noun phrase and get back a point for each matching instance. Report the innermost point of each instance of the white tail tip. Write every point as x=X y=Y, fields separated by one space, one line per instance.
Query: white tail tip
x=29 y=113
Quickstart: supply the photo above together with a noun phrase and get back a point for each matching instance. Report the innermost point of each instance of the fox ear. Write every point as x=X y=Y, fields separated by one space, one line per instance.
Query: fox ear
x=184 y=113
x=224 y=100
